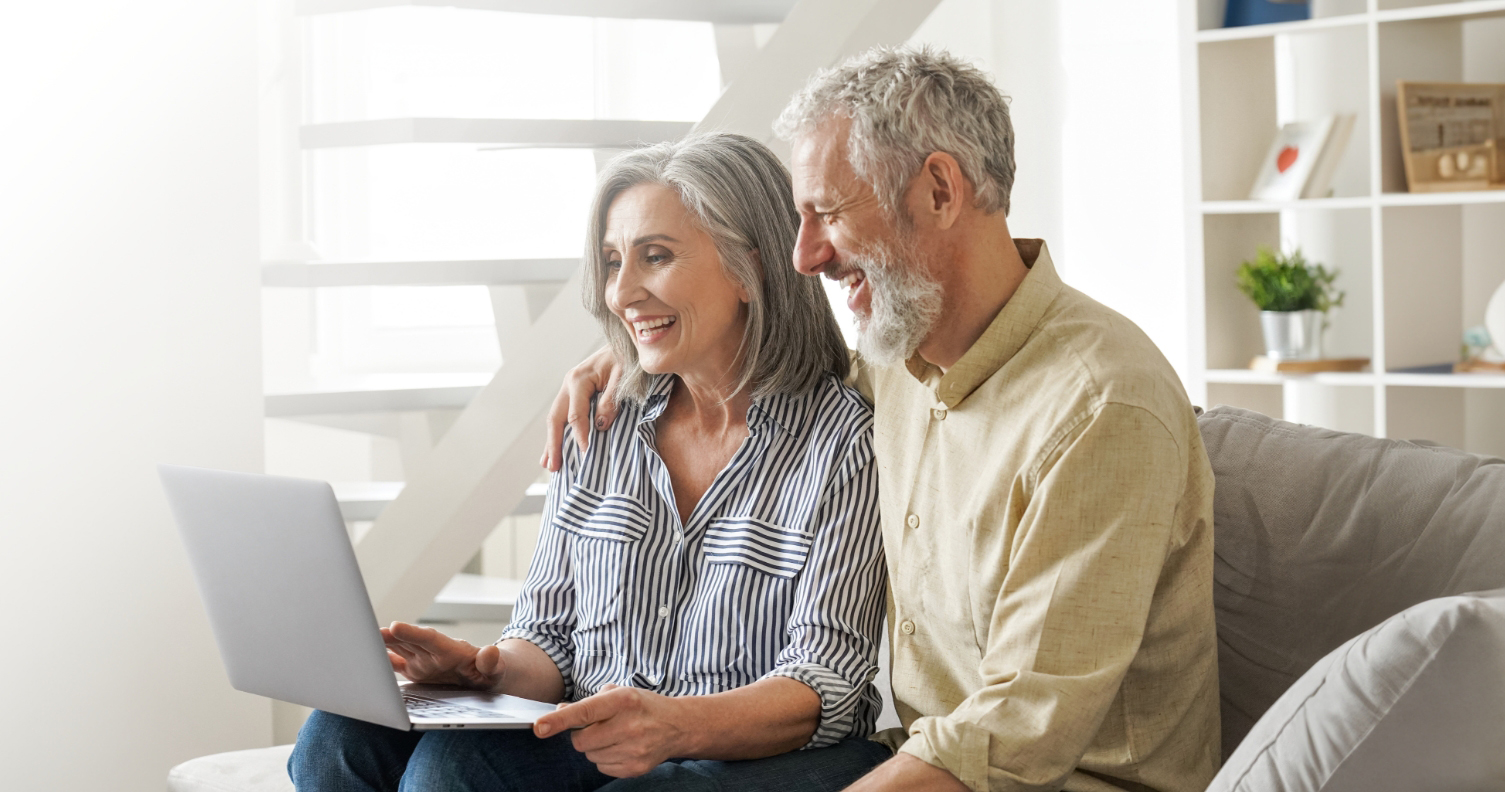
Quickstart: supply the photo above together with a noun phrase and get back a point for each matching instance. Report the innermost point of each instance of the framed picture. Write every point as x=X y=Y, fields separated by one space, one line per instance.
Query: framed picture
x=1302 y=159
x=1452 y=135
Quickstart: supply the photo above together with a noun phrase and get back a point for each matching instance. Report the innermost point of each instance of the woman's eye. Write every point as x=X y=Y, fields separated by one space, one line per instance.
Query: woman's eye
x=613 y=264
x=656 y=257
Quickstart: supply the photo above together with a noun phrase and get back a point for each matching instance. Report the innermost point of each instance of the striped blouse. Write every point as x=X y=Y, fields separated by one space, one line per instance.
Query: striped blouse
x=778 y=572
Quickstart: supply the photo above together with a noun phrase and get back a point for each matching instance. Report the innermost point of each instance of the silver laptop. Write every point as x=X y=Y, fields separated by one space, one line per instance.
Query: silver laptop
x=290 y=611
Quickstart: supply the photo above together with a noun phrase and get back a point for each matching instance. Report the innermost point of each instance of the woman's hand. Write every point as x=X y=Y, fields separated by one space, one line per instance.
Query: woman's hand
x=423 y=654
x=572 y=406
x=624 y=731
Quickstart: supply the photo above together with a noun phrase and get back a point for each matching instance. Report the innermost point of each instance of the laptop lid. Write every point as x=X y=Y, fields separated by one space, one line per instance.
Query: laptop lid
x=285 y=597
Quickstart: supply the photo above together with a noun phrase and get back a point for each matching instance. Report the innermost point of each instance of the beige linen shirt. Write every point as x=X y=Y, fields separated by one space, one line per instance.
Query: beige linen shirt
x=1047 y=517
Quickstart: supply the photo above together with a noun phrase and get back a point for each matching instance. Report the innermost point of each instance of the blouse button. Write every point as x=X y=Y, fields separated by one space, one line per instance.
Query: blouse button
x=906 y=627
x=940 y=415
x=913 y=521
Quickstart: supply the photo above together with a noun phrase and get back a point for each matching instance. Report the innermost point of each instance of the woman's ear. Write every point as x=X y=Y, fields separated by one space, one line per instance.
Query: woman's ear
x=757 y=262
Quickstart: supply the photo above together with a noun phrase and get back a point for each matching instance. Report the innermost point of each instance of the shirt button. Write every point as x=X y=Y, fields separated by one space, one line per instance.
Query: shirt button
x=940 y=415
x=906 y=627
x=913 y=521
x=663 y=612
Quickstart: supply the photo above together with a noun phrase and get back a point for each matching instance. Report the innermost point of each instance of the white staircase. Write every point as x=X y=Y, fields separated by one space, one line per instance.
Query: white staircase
x=471 y=445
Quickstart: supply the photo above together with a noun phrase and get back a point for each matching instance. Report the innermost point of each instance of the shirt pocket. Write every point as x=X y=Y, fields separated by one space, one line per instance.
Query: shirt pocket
x=604 y=532
x=747 y=541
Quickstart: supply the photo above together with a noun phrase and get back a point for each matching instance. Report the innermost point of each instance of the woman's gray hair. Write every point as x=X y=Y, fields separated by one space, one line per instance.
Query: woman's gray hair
x=906 y=104
x=739 y=193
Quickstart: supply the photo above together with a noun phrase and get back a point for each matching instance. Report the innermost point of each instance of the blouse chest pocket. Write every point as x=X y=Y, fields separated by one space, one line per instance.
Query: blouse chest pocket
x=764 y=546
x=613 y=517
x=603 y=532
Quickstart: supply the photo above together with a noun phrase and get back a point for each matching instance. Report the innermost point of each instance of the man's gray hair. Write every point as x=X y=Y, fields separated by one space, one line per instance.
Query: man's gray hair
x=906 y=104
x=739 y=193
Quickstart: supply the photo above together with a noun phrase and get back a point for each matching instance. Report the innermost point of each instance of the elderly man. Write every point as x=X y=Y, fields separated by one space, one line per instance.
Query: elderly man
x=1045 y=497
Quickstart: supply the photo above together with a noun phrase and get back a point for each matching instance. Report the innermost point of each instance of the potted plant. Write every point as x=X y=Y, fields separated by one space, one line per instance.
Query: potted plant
x=1292 y=295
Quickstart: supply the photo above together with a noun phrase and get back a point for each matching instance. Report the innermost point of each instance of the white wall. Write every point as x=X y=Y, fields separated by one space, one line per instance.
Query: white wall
x=128 y=336
x=1096 y=106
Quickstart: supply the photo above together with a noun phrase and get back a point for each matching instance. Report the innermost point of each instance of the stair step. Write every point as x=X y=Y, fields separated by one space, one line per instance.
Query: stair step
x=726 y=12
x=481 y=272
x=363 y=501
x=500 y=132
x=425 y=393
x=475 y=598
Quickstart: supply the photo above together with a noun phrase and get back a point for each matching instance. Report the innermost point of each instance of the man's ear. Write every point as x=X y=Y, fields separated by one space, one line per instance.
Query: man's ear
x=946 y=190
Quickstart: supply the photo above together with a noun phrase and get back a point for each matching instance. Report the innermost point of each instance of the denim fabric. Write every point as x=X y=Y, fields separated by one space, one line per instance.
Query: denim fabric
x=338 y=754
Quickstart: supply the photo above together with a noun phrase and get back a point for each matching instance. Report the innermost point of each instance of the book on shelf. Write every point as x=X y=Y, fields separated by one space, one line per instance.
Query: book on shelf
x=1239 y=13
x=1303 y=158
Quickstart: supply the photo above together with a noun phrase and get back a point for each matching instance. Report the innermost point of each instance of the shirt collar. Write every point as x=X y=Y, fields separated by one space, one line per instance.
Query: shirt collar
x=657 y=399
x=786 y=411
x=1005 y=335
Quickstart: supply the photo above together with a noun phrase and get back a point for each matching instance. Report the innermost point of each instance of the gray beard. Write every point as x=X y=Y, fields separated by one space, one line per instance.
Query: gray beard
x=906 y=303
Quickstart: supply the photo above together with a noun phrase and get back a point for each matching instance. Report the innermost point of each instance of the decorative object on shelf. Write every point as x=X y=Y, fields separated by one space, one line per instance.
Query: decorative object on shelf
x=1261 y=12
x=1302 y=159
x=1273 y=366
x=1481 y=353
x=1452 y=135
x=1292 y=295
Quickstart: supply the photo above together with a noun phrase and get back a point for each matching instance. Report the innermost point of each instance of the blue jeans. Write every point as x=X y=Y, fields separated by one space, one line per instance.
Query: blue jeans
x=338 y=754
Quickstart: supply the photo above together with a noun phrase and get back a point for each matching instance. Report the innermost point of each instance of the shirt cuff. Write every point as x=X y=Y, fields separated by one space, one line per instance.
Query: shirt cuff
x=958 y=747
x=839 y=702
x=555 y=649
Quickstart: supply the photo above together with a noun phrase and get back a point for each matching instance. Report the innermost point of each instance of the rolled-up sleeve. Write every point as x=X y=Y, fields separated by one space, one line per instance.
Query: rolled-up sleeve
x=839 y=602
x=1070 y=616
x=545 y=611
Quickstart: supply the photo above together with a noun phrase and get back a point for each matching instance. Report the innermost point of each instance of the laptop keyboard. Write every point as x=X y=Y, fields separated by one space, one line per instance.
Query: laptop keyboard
x=420 y=707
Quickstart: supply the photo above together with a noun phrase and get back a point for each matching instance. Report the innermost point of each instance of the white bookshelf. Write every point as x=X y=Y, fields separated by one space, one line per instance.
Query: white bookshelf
x=1418 y=269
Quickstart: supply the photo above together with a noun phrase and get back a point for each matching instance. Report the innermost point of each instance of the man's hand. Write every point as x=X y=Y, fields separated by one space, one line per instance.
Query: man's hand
x=624 y=731
x=906 y=772
x=572 y=406
x=423 y=654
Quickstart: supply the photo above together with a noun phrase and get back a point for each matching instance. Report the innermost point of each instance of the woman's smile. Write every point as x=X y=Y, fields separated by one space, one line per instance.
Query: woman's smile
x=648 y=330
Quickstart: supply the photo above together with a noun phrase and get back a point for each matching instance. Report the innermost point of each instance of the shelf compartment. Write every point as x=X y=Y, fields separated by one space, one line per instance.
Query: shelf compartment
x=1249 y=87
x=1442 y=264
x=1339 y=239
x=1434 y=48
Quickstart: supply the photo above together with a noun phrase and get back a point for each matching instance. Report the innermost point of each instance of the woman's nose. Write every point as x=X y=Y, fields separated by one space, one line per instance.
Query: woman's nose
x=625 y=288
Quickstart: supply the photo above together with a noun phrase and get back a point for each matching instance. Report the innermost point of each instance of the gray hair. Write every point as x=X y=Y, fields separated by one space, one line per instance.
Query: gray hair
x=906 y=104
x=739 y=193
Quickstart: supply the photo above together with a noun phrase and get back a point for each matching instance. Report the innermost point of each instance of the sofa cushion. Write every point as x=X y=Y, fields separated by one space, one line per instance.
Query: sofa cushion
x=256 y=770
x=1417 y=702
x=1321 y=535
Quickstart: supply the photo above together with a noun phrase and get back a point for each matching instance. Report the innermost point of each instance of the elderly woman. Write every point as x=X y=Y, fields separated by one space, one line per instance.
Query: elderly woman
x=708 y=585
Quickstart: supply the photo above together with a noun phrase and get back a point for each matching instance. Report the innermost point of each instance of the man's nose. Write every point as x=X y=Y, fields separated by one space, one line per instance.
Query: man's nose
x=812 y=250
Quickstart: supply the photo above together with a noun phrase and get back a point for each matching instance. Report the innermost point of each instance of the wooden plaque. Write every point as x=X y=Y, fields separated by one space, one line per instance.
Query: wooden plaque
x=1452 y=135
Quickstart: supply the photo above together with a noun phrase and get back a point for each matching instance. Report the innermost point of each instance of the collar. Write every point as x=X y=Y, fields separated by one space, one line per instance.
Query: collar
x=1005 y=335
x=786 y=411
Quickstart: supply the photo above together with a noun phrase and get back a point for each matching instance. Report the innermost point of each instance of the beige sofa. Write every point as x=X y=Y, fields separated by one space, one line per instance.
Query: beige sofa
x=1360 y=594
